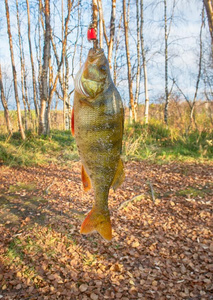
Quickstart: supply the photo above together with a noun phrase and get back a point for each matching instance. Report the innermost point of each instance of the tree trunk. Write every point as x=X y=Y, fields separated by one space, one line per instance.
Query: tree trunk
x=209 y=11
x=48 y=118
x=63 y=82
x=79 y=32
x=131 y=98
x=166 y=64
x=100 y=23
x=39 y=55
x=44 y=86
x=65 y=62
x=116 y=51
x=14 y=72
x=31 y=59
x=192 y=107
x=138 y=60
x=146 y=112
x=4 y=103
x=22 y=65
x=62 y=62
x=112 y=32
x=67 y=106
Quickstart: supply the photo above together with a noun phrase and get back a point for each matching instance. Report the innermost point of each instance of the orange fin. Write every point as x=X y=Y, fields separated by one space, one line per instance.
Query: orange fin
x=85 y=180
x=119 y=175
x=99 y=221
x=72 y=123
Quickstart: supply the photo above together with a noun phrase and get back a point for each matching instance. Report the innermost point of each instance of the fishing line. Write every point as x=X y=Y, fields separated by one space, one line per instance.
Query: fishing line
x=92 y=28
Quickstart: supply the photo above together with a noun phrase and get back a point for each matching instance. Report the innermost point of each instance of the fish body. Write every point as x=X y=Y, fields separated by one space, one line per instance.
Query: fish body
x=97 y=124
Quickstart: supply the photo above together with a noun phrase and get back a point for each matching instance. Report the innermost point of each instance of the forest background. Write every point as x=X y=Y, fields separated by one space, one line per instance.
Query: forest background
x=160 y=57
x=159 y=54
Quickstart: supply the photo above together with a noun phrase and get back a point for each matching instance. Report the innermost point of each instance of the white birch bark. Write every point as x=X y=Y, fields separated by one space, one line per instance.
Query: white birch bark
x=14 y=72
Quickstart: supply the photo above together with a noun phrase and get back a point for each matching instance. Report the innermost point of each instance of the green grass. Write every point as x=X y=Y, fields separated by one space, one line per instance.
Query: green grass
x=195 y=191
x=154 y=142
x=158 y=142
x=22 y=186
x=15 y=251
x=35 y=150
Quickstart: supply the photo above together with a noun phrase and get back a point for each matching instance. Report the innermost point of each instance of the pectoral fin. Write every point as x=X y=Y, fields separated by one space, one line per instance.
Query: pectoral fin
x=72 y=123
x=85 y=102
x=85 y=180
x=119 y=176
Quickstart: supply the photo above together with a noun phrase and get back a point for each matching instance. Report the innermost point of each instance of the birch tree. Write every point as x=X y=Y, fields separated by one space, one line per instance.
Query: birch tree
x=146 y=111
x=103 y=31
x=62 y=63
x=209 y=11
x=112 y=32
x=126 y=31
x=117 y=42
x=5 y=106
x=22 y=63
x=44 y=80
x=167 y=28
x=21 y=129
x=31 y=59
x=166 y=64
x=101 y=21
x=138 y=72
x=192 y=103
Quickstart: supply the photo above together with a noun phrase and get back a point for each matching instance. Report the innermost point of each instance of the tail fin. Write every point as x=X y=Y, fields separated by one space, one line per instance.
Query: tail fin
x=97 y=220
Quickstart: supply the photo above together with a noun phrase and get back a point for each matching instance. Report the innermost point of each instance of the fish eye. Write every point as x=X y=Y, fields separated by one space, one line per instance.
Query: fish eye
x=103 y=68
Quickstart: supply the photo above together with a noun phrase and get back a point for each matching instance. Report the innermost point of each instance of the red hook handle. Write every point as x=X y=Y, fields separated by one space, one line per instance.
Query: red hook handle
x=91 y=34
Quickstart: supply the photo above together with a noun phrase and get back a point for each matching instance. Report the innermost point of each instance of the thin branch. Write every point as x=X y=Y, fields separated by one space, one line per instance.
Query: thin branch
x=152 y=191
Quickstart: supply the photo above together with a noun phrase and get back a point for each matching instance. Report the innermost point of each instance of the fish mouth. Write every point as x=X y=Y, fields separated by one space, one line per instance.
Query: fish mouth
x=94 y=56
x=95 y=53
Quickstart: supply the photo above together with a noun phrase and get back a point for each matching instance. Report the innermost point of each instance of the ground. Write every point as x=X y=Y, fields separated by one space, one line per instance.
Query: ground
x=162 y=245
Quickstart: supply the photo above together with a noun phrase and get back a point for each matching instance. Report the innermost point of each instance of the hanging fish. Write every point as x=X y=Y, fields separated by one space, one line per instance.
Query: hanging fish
x=97 y=124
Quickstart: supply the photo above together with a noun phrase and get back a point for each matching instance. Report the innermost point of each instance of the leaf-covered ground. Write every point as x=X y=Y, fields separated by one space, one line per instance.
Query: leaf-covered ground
x=162 y=245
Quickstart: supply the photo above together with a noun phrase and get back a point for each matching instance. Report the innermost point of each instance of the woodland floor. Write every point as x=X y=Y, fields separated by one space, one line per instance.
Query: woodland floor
x=161 y=249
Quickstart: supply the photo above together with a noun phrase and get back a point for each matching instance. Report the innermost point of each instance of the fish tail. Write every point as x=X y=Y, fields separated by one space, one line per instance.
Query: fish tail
x=98 y=220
